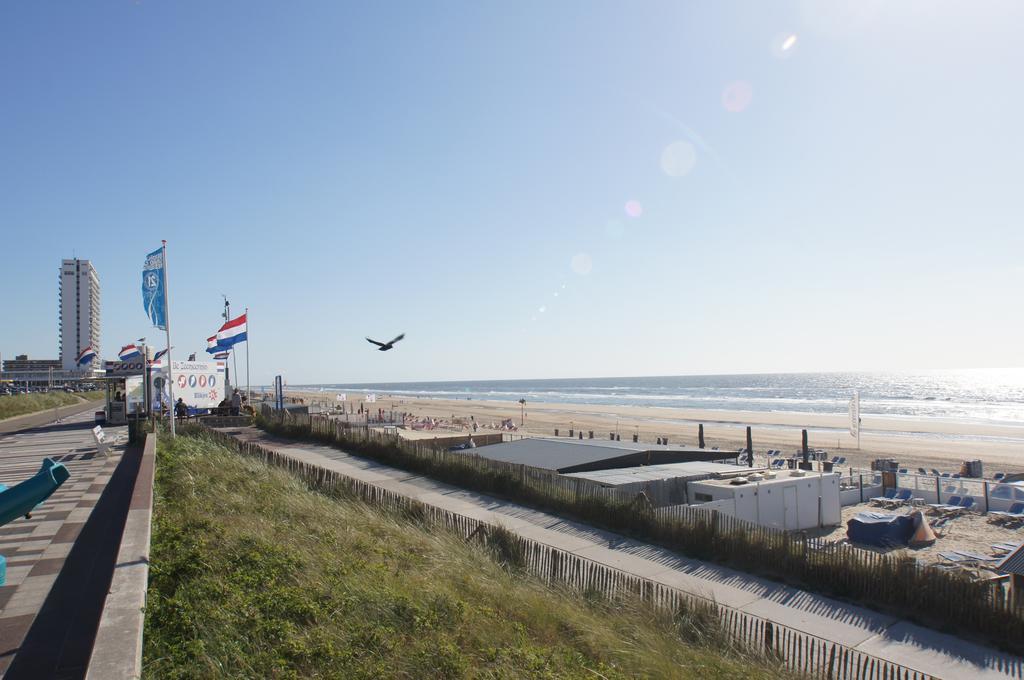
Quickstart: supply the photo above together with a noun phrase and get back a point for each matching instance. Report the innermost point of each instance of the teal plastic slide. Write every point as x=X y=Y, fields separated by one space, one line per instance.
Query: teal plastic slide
x=21 y=499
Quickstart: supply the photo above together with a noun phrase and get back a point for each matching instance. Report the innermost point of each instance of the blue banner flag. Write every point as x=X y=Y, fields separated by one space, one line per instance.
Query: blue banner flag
x=154 y=296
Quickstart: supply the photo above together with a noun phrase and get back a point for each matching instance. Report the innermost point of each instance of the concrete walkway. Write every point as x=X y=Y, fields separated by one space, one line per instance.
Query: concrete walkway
x=38 y=418
x=918 y=648
x=39 y=550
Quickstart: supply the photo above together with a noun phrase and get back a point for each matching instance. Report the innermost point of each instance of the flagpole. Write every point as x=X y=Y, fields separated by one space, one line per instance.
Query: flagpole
x=248 y=390
x=167 y=327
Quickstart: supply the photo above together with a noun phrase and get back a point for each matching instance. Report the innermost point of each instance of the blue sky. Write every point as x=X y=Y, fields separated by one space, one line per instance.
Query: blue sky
x=700 y=199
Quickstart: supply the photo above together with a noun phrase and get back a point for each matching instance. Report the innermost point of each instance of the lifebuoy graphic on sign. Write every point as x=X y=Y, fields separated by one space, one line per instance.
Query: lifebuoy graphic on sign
x=202 y=381
x=182 y=381
x=191 y=381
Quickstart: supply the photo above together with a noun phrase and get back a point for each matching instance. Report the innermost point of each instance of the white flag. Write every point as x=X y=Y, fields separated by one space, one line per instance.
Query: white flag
x=371 y=398
x=855 y=414
x=340 y=397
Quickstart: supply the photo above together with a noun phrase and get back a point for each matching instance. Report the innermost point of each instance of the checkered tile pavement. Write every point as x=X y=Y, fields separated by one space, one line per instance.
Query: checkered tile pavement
x=36 y=548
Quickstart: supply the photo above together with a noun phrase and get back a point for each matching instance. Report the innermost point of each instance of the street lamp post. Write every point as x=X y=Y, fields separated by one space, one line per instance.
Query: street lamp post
x=522 y=412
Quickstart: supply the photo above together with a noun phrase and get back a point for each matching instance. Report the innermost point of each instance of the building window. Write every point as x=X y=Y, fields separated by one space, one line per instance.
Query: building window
x=702 y=497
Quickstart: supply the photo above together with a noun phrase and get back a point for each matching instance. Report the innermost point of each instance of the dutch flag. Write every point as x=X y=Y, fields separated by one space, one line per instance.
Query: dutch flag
x=86 y=356
x=158 y=356
x=232 y=333
x=221 y=355
x=211 y=345
x=129 y=352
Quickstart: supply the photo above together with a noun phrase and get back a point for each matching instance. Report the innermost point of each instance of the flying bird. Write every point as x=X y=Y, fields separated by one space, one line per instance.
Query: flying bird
x=385 y=346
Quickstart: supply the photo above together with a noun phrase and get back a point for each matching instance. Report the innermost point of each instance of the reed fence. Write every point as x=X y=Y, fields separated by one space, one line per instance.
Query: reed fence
x=894 y=582
x=749 y=634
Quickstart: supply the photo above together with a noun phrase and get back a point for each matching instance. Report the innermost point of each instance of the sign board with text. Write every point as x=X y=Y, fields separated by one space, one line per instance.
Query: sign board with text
x=200 y=384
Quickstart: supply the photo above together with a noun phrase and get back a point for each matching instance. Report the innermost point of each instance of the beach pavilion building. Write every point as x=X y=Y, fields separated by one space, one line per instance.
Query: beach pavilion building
x=669 y=476
x=564 y=455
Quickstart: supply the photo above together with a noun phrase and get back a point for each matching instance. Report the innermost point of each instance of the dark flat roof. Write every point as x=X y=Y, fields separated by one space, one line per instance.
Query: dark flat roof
x=576 y=455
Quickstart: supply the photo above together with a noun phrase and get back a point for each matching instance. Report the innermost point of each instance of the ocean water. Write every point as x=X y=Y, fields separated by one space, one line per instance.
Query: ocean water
x=986 y=396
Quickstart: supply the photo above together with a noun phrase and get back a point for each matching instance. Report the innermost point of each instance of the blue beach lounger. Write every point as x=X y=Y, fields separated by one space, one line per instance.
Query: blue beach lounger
x=954 y=502
x=882 y=500
x=1015 y=513
x=903 y=496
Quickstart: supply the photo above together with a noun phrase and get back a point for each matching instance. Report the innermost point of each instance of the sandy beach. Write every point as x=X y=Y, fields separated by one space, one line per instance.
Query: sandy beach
x=915 y=443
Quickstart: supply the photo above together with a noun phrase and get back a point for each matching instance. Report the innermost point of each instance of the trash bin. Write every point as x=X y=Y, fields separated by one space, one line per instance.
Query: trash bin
x=826 y=466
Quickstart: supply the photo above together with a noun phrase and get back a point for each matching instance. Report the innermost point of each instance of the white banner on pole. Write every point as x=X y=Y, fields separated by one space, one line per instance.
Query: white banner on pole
x=340 y=397
x=855 y=415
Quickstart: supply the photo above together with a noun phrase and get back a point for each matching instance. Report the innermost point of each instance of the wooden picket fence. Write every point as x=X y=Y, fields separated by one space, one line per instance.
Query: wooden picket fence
x=752 y=635
x=892 y=582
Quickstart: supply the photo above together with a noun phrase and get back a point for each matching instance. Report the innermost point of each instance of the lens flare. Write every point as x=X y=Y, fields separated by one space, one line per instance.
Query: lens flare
x=581 y=264
x=737 y=96
x=678 y=158
x=784 y=45
x=634 y=209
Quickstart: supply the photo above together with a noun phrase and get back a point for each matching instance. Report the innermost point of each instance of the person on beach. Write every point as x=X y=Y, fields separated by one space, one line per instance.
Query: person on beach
x=236 y=403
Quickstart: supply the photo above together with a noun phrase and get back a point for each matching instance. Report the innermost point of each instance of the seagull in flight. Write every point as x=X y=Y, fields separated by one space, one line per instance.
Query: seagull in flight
x=385 y=346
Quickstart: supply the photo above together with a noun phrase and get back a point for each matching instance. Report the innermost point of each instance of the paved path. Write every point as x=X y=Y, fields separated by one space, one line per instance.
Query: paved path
x=29 y=420
x=36 y=549
x=921 y=649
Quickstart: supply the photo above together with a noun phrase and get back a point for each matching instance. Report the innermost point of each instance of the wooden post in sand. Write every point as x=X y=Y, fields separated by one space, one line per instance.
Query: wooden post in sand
x=806 y=453
x=750 y=448
x=700 y=435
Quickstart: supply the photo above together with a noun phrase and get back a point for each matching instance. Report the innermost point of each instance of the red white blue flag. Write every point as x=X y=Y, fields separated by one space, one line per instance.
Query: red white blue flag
x=86 y=356
x=129 y=352
x=232 y=333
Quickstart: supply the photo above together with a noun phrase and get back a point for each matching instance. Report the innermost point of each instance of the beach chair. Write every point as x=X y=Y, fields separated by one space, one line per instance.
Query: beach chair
x=936 y=472
x=963 y=557
x=902 y=497
x=103 y=441
x=884 y=499
x=841 y=461
x=945 y=474
x=903 y=471
x=922 y=471
x=1004 y=547
x=998 y=476
x=1014 y=514
x=956 y=475
x=953 y=509
x=954 y=502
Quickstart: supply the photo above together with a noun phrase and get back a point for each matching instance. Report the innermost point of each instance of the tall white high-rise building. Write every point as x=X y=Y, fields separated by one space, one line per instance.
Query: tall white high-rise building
x=79 y=314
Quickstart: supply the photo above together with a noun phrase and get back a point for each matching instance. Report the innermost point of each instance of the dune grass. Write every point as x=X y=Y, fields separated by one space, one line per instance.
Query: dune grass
x=253 y=575
x=19 y=404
